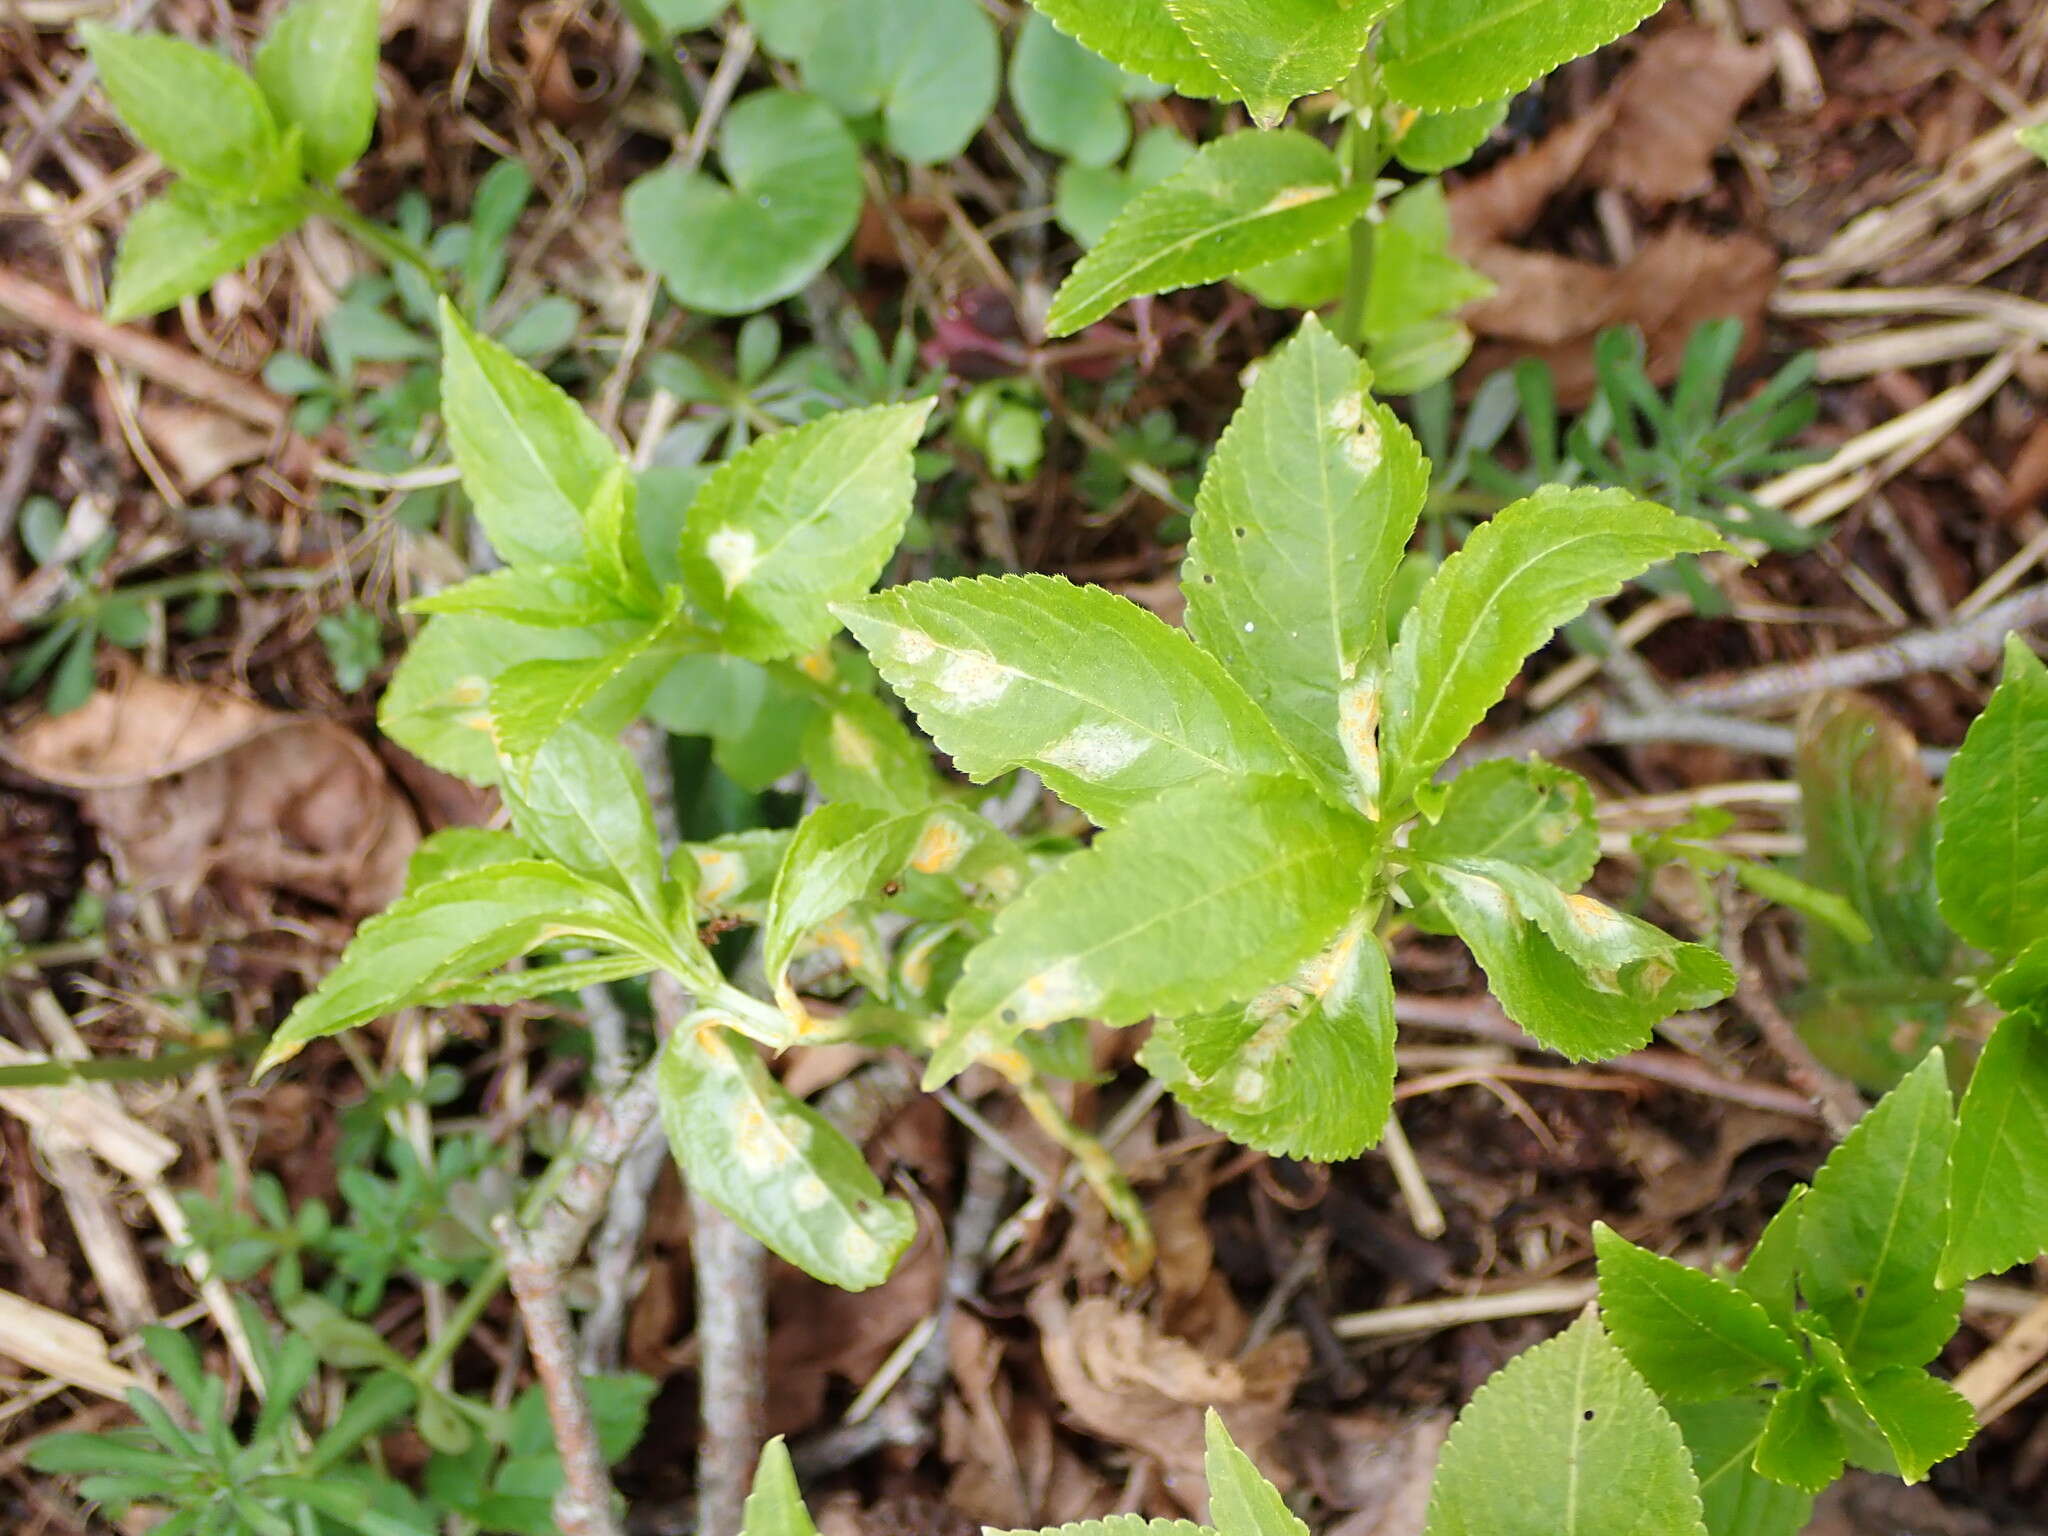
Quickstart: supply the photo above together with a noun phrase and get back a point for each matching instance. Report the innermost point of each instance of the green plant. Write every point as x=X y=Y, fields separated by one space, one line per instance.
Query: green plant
x=256 y=153
x=1686 y=450
x=191 y=1462
x=1815 y=1353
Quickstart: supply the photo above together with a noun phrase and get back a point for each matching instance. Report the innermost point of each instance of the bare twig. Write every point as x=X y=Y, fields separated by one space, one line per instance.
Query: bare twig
x=1972 y=642
x=906 y=1417
x=732 y=1346
x=28 y=441
x=584 y=1505
x=154 y=359
x=1840 y=1105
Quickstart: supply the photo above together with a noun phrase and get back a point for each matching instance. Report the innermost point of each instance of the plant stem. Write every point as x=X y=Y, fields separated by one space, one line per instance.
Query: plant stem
x=661 y=53
x=1097 y=1166
x=1364 y=154
x=462 y=1319
x=386 y=243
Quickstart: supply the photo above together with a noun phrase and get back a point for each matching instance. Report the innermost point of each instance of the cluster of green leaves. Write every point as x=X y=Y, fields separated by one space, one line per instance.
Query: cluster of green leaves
x=190 y=1462
x=256 y=152
x=1567 y=1440
x=1814 y=1354
x=1687 y=450
x=1291 y=219
x=1265 y=788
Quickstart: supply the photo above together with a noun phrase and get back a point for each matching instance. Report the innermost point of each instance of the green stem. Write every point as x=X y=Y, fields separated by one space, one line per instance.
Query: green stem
x=660 y=49
x=461 y=1321
x=394 y=248
x=1098 y=1168
x=1365 y=154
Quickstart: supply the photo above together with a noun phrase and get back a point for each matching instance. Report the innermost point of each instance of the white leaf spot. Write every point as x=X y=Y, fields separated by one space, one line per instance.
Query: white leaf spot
x=972 y=679
x=1096 y=750
x=734 y=552
x=912 y=647
x=1062 y=992
x=808 y=1193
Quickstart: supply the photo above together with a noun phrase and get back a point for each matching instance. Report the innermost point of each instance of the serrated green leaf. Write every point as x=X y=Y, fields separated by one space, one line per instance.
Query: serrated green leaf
x=1802 y=1445
x=543 y=980
x=613 y=547
x=860 y=750
x=788 y=202
x=1692 y=1336
x=2024 y=983
x=531 y=461
x=318 y=70
x=1107 y=702
x=1867 y=809
x=1587 y=981
x=1567 y=1440
x=177 y=244
x=841 y=854
x=1309 y=279
x=1735 y=1498
x=1415 y=278
x=580 y=800
x=800 y=521
x=1141 y=36
x=1874 y=1226
x=1922 y=1419
x=1435 y=142
x=1273 y=51
x=774 y=1164
x=775 y=1507
x=1535 y=565
x=451 y=932
x=1177 y=909
x=437 y=704
x=1070 y=100
x=1302 y=518
x=1991 y=861
x=1409 y=359
x=1532 y=813
x=1305 y=1070
x=1770 y=1273
x=531 y=701
x=1241 y=1501
x=1087 y=198
x=1998 y=1168
x=930 y=67
x=458 y=850
x=537 y=596
x=1243 y=201
x=1458 y=53
x=204 y=117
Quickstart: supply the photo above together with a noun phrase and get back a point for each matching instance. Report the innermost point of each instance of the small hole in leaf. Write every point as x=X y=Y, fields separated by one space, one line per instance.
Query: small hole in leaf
x=1208 y=580
x=1239 y=532
x=1588 y=1415
x=1859 y=1291
x=1009 y=1015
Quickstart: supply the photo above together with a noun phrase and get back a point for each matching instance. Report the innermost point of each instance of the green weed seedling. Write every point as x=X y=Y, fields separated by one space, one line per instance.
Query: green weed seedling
x=1814 y=1355
x=189 y=1460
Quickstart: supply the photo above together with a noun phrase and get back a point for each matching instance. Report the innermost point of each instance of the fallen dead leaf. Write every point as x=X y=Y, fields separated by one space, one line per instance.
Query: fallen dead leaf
x=822 y=1335
x=1506 y=200
x=200 y=445
x=1551 y=307
x=1376 y=1466
x=1116 y=1375
x=1674 y=108
x=191 y=785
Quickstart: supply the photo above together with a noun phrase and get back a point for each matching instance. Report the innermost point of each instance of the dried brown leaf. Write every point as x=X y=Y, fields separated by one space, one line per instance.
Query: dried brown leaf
x=1674 y=108
x=1118 y=1376
x=190 y=784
